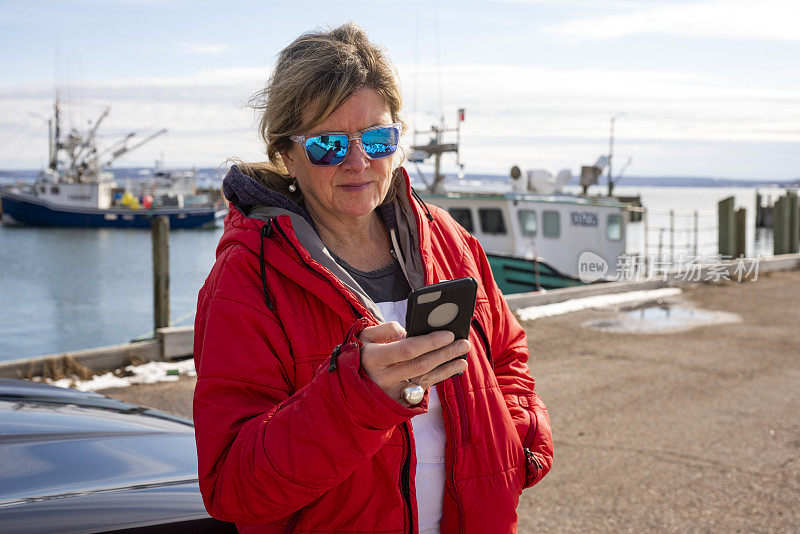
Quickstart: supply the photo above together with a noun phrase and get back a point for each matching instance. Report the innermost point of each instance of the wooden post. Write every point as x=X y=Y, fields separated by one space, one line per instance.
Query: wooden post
x=759 y=219
x=794 y=223
x=740 y=231
x=726 y=235
x=160 y=229
x=696 y=232
x=778 y=227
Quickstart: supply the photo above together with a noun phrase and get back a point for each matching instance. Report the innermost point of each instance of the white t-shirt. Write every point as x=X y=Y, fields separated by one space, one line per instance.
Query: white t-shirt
x=429 y=438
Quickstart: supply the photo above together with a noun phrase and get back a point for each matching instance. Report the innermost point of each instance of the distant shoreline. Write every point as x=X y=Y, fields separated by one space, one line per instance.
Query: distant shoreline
x=214 y=174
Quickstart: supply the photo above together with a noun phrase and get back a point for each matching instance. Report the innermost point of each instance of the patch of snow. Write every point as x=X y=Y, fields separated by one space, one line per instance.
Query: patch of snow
x=598 y=301
x=148 y=373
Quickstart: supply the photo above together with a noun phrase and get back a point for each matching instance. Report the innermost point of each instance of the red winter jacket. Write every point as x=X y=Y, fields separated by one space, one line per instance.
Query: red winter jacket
x=292 y=436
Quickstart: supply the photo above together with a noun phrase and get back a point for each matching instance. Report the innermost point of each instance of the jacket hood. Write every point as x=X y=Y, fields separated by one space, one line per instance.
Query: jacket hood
x=252 y=203
x=246 y=193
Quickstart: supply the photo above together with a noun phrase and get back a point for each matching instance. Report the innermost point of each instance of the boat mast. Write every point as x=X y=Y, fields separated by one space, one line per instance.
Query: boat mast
x=54 y=125
x=436 y=148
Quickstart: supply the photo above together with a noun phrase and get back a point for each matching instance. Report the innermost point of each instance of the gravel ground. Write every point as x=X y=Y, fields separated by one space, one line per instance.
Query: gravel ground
x=696 y=430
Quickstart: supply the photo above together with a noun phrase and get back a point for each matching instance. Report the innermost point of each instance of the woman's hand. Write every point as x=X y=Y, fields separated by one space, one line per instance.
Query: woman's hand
x=389 y=358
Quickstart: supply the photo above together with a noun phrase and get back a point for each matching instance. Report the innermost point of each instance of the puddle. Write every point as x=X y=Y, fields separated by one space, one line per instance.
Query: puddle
x=661 y=318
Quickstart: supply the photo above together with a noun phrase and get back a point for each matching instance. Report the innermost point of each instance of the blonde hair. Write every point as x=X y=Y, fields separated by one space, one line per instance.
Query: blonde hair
x=317 y=72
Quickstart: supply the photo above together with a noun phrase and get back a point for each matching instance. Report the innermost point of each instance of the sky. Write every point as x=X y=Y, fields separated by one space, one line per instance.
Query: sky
x=703 y=88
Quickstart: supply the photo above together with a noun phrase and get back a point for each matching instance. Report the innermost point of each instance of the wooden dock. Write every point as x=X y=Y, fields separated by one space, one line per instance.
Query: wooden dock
x=171 y=343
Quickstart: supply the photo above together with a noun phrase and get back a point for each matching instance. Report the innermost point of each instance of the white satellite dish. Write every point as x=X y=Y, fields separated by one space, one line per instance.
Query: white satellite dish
x=542 y=181
x=562 y=178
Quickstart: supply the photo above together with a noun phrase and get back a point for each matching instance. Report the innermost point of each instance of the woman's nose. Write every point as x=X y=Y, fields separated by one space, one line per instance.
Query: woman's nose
x=356 y=160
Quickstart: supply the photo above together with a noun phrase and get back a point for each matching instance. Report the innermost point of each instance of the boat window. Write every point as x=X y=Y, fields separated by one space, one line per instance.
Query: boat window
x=53 y=190
x=463 y=216
x=614 y=227
x=527 y=222
x=551 y=223
x=492 y=221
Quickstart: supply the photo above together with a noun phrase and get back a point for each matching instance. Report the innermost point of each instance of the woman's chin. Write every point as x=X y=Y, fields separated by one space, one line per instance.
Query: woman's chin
x=357 y=203
x=357 y=211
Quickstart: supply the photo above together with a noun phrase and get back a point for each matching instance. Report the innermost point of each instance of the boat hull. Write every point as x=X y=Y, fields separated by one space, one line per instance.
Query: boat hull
x=521 y=275
x=21 y=208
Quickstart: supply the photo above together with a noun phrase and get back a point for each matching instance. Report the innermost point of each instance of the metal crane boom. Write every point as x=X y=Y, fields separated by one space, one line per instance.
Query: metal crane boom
x=125 y=149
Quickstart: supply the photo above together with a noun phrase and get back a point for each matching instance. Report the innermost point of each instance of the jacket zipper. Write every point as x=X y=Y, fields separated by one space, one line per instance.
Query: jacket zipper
x=456 y=495
x=459 y=386
x=462 y=409
x=405 y=477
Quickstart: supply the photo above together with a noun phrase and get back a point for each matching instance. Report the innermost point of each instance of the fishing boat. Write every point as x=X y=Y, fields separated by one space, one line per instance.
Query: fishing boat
x=76 y=190
x=535 y=236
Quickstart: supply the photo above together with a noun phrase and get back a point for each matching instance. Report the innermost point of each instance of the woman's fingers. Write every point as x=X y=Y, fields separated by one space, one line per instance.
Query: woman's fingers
x=443 y=372
x=383 y=333
x=389 y=358
x=387 y=354
x=421 y=366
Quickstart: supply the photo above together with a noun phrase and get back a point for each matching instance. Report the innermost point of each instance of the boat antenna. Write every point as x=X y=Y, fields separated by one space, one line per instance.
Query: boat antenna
x=438 y=64
x=611 y=154
x=416 y=79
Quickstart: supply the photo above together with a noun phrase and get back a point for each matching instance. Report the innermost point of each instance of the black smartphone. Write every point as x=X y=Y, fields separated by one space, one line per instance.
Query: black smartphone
x=447 y=305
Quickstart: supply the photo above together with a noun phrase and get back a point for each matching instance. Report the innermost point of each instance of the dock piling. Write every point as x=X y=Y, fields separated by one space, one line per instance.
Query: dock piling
x=794 y=223
x=727 y=227
x=160 y=233
x=740 y=217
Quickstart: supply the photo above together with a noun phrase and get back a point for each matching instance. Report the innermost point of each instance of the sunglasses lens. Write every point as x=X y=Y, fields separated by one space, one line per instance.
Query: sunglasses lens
x=326 y=149
x=380 y=142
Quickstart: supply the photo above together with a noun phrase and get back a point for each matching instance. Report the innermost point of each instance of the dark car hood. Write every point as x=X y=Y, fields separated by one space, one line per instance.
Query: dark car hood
x=63 y=450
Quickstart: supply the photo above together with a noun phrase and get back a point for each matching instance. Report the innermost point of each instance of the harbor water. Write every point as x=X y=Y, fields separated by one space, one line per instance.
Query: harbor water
x=69 y=289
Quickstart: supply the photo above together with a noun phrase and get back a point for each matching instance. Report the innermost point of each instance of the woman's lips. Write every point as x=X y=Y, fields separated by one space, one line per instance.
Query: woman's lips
x=355 y=187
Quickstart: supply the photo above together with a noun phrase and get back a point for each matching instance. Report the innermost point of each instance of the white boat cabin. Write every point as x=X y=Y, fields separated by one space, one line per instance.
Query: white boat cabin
x=95 y=195
x=555 y=228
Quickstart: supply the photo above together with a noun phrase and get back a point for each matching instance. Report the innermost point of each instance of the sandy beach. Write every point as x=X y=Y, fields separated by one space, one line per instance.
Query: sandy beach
x=692 y=430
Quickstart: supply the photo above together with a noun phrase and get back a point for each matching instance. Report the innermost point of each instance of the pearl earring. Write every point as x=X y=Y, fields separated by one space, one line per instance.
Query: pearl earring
x=293 y=186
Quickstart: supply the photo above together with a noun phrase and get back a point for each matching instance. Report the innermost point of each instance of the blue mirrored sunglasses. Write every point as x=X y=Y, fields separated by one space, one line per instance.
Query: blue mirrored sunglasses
x=331 y=148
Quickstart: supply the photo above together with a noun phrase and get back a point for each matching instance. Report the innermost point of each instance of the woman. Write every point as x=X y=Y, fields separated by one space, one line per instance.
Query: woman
x=304 y=406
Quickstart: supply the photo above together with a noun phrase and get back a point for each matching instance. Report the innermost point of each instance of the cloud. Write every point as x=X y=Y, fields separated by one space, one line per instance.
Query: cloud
x=559 y=117
x=532 y=116
x=721 y=19
x=209 y=49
